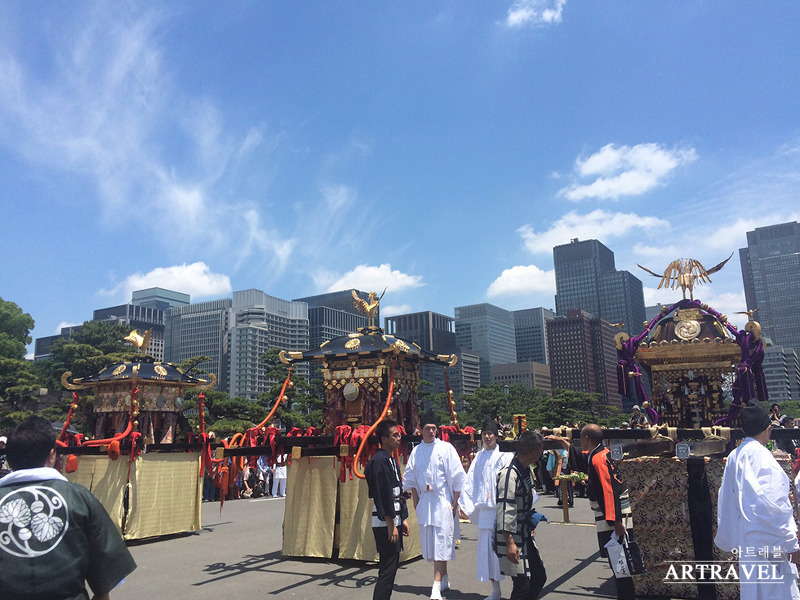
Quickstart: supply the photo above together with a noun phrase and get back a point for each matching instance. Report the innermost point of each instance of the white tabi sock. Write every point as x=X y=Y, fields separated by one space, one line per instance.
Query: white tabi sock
x=445 y=583
x=436 y=591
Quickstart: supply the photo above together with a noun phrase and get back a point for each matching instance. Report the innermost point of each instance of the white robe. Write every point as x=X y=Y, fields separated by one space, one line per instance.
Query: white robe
x=435 y=471
x=754 y=514
x=478 y=500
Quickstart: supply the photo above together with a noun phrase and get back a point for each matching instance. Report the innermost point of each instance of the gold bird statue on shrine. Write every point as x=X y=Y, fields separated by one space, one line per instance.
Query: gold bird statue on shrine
x=140 y=341
x=368 y=308
x=685 y=273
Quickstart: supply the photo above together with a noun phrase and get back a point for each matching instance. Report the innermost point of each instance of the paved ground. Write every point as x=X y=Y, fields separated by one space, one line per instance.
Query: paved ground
x=238 y=555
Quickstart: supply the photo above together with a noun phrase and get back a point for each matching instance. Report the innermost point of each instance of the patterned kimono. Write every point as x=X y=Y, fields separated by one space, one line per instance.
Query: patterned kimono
x=515 y=499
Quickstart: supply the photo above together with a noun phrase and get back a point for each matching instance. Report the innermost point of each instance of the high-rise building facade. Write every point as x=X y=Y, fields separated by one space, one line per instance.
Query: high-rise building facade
x=200 y=329
x=431 y=332
x=771 y=275
x=332 y=315
x=465 y=377
x=42 y=345
x=487 y=330
x=147 y=310
x=782 y=374
x=587 y=279
x=159 y=298
x=260 y=322
x=583 y=356
x=532 y=375
x=530 y=333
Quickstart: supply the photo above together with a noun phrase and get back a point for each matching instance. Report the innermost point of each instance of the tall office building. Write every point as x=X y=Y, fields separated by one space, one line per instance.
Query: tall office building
x=159 y=298
x=260 y=322
x=42 y=345
x=532 y=375
x=771 y=276
x=587 y=279
x=782 y=373
x=488 y=330
x=147 y=310
x=530 y=332
x=583 y=356
x=431 y=332
x=332 y=315
x=200 y=329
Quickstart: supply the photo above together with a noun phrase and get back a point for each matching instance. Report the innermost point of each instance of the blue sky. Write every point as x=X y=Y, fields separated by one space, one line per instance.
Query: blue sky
x=438 y=148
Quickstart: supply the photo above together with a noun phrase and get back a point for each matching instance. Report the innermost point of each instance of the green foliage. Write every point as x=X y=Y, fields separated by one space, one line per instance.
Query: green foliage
x=303 y=400
x=18 y=380
x=224 y=415
x=95 y=346
x=565 y=406
x=191 y=366
x=570 y=407
x=492 y=401
x=104 y=336
x=791 y=408
x=15 y=330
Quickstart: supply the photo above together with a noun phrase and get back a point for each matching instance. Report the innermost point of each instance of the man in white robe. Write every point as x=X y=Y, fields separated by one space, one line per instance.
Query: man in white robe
x=755 y=517
x=435 y=476
x=478 y=500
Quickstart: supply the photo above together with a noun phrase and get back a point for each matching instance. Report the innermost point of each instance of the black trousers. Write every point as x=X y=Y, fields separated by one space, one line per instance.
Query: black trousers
x=528 y=588
x=388 y=561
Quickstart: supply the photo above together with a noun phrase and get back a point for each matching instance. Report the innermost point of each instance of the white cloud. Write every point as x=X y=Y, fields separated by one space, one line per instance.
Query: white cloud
x=62 y=325
x=104 y=112
x=625 y=171
x=522 y=280
x=599 y=224
x=195 y=279
x=645 y=251
x=337 y=196
x=535 y=13
x=391 y=310
x=369 y=278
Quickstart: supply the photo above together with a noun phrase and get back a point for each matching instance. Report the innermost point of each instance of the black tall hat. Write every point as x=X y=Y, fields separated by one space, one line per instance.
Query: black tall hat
x=427 y=418
x=491 y=427
x=754 y=418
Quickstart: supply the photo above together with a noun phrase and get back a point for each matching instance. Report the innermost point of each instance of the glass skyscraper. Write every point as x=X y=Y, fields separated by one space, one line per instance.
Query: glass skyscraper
x=587 y=279
x=488 y=330
x=771 y=276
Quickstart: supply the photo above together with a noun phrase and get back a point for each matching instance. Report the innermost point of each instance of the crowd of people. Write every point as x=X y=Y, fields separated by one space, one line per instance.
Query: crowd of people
x=497 y=494
x=263 y=479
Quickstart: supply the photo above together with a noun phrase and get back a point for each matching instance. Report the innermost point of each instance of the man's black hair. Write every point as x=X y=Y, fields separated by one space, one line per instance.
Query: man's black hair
x=382 y=430
x=30 y=444
x=528 y=440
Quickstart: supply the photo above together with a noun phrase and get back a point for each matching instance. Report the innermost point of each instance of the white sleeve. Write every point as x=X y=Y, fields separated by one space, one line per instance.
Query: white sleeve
x=466 y=500
x=409 y=476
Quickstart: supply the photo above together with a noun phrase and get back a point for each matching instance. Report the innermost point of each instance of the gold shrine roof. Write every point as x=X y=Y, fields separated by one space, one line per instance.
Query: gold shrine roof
x=142 y=371
x=688 y=335
x=368 y=342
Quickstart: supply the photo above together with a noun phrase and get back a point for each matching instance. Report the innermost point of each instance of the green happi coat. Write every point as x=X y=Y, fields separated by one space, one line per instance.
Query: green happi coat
x=55 y=537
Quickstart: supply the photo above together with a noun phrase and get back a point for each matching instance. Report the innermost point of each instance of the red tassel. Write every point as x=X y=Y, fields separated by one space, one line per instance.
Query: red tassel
x=72 y=464
x=113 y=450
